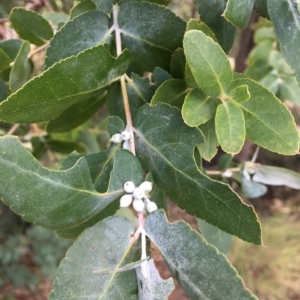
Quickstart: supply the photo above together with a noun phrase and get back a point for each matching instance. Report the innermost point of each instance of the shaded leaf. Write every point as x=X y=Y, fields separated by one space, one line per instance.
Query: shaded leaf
x=72 y=38
x=58 y=199
x=189 y=77
x=198 y=108
x=3 y=91
x=82 y=7
x=271 y=82
x=11 y=48
x=238 y=12
x=63 y=85
x=230 y=127
x=4 y=61
x=105 y=5
x=261 y=6
x=213 y=235
x=202 y=53
x=165 y=147
x=289 y=90
x=198 y=267
x=156 y=195
x=178 y=64
x=30 y=26
x=106 y=245
x=21 y=69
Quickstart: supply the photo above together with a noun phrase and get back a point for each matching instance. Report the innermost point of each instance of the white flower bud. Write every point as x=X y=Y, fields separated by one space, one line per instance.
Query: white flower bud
x=129 y=187
x=151 y=206
x=126 y=145
x=125 y=200
x=227 y=173
x=146 y=186
x=138 y=193
x=125 y=135
x=138 y=205
x=116 y=138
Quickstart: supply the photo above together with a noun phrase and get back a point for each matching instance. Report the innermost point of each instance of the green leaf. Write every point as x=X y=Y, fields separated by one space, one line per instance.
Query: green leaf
x=284 y=15
x=4 y=61
x=240 y=94
x=105 y=5
x=150 y=31
x=58 y=199
x=230 y=127
x=55 y=18
x=264 y=33
x=198 y=267
x=277 y=61
x=156 y=195
x=238 y=12
x=195 y=24
x=45 y=97
x=78 y=113
x=165 y=147
x=172 y=91
x=276 y=176
x=209 y=148
x=211 y=12
x=21 y=69
x=289 y=90
x=31 y=26
x=261 y=6
x=202 y=53
x=107 y=245
x=271 y=81
x=178 y=64
x=269 y=123
x=198 y=108
x=213 y=235
x=189 y=77
x=82 y=7
x=72 y=38
x=153 y=287
x=11 y=48
x=3 y=91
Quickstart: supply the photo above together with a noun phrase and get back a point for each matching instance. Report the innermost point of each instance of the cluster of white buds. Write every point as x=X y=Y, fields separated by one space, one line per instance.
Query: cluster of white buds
x=138 y=194
x=122 y=137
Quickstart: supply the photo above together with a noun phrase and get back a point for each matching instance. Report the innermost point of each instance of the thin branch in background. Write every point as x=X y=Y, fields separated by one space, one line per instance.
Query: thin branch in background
x=37 y=50
x=13 y=129
x=254 y=157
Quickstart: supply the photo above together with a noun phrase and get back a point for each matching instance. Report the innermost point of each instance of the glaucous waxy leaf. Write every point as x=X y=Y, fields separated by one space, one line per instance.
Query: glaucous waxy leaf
x=172 y=91
x=150 y=31
x=78 y=113
x=268 y=121
x=284 y=15
x=105 y=5
x=238 y=12
x=240 y=94
x=211 y=12
x=213 y=235
x=165 y=147
x=195 y=24
x=202 y=53
x=30 y=26
x=58 y=199
x=209 y=148
x=21 y=69
x=4 y=61
x=198 y=108
x=178 y=64
x=230 y=127
x=85 y=31
x=82 y=7
x=199 y=268
x=108 y=245
x=252 y=189
x=66 y=83
x=11 y=48
x=56 y=18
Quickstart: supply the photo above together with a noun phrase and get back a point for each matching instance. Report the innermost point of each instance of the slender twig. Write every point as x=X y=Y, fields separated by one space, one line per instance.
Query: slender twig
x=13 y=129
x=254 y=157
x=37 y=50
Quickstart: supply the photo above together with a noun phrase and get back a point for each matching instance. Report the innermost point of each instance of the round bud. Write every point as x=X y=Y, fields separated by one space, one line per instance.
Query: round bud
x=125 y=135
x=116 y=138
x=126 y=145
x=151 y=206
x=146 y=186
x=138 y=205
x=138 y=193
x=129 y=187
x=125 y=200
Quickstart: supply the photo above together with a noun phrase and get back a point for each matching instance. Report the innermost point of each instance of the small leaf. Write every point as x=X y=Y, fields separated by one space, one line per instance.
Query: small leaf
x=289 y=90
x=3 y=91
x=252 y=189
x=72 y=38
x=150 y=31
x=178 y=64
x=153 y=287
x=211 y=12
x=11 y=48
x=277 y=61
x=209 y=148
x=271 y=82
x=31 y=26
x=276 y=176
x=58 y=199
x=198 y=108
x=284 y=15
x=78 y=113
x=56 y=19
x=82 y=7
x=106 y=245
x=269 y=123
x=238 y=12
x=21 y=69
x=105 y=5
x=198 y=267
x=4 y=61
x=213 y=235
x=230 y=127
x=165 y=147
x=195 y=24
x=261 y=7
x=202 y=53
x=172 y=91
x=240 y=93
x=63 y=85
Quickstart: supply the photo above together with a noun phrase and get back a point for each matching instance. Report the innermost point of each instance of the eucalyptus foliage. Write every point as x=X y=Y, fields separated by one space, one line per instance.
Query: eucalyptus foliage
x=170 y=85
